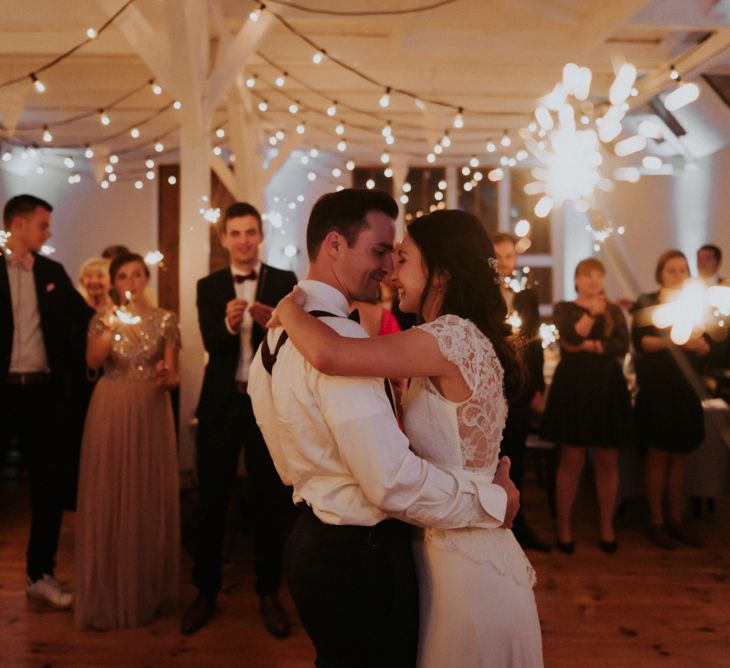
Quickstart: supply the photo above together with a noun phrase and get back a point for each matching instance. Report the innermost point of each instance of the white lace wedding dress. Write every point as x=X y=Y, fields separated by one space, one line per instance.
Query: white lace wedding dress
x=477 y=607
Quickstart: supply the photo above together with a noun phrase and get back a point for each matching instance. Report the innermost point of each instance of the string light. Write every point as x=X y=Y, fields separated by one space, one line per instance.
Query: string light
x=406 y=188
x=301 y=128
x=369 y=184
x=385 y=158
x=673 y=74
x=69 y=162
x=430 y=158
x=220 y=133
x=113 y=158
x=104 y=118
x=340 y=129
x=255 y=15
x=104 y=184
x=150 y=176
x=459 y=118
x=172 y=180
x=474 y=162
x=47 y=136
x=251 y=81
x=337 y=172
x=446 y=140
x=156 y=88
x=263 y=106
x=159 y=147
x=318 y=57
x=388 y=173
x=112 y=178
x=332 y=109
x=149 y=163
x=506 y=139
x=385 y=99
x=91 y=33
x=350 y=165
x=281 y=79
x=491 y=148
x=37 y=83
x=134 y=132
x=177 y=105
x=138 y=184
x=293 y=108
x=342 y=146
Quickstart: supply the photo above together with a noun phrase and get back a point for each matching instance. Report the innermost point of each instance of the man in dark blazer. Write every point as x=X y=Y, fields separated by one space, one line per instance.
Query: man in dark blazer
x=234 y=305
x=524 y=303
x=43 y=324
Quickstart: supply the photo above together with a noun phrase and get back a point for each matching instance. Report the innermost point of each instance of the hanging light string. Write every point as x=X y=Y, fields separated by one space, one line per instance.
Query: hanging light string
x=33 y=74
x=374 y=12
x=458 y=108
x=93 y=112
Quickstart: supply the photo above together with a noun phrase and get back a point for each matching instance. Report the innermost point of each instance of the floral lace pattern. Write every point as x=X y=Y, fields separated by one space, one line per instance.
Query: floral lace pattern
x=137 y=348
x=479 y=420
x=482 y=417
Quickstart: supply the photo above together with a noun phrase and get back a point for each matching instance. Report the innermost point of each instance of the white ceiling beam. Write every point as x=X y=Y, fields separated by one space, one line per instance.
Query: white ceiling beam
x=146 y=41
x=233 y=58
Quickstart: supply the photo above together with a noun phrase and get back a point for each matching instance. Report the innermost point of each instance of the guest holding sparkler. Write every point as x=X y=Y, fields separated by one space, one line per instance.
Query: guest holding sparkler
x=127 y=527
x=668 y=406
x=588 y=405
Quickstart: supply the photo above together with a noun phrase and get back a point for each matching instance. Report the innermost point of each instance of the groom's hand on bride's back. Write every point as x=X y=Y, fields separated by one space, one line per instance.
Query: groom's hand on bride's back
x=501 y=478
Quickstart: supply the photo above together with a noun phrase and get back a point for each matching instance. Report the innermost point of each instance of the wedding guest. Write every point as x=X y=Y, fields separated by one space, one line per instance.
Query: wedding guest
x=127 y=526
x=94 y=283
x=234 y=305
x=588 y=406
x=42 y=324
x=115 y=250
x=709 y=259
x=524 y=304
x=668 y=406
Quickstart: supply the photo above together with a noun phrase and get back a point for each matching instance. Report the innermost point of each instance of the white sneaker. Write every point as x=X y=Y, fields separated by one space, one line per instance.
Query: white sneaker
x=53 y=581
x=44 y=590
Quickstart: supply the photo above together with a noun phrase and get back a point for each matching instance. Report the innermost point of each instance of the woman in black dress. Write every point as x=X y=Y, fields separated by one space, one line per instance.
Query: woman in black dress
x=668 y=408
x=589 y=405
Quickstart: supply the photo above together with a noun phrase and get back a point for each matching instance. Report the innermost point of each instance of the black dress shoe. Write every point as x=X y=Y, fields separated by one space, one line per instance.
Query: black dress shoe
x=529 y=540
x=197 y=614
x=608 y=546
x=565 y=548
x=275 y=619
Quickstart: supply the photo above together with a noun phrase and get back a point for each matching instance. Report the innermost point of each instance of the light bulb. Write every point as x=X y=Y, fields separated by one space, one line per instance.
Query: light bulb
x=177 y=105
x=139 y=184
x=156 y=88
x=220 y=133
x=159 y=147
x=293 y=108
x=38 y=84
x=318 y=57
x=280 y=80
x=459 y=119
x=342 y=145
x=47 y=136
x=332 y=109
x=340 y=129
x=506 y=140
x=134 y=132
x=149 y=163
x=104 y=118
x=91 y=33
x=385 y=99
x=350 y=165
x=89 y=152
x=251 y=81
x=301 y=128
x=263 y=106
x=113 y=158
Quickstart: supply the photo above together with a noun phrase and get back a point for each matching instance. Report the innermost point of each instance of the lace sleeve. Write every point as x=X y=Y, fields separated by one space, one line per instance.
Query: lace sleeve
x=171 y=330
x=454 y=338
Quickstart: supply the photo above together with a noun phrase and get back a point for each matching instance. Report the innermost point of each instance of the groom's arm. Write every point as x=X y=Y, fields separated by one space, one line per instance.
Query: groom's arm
x=390 y=475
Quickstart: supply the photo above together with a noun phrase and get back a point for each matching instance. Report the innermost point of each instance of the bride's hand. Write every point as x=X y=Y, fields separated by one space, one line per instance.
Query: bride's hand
x=501 y=478
x=296 y=299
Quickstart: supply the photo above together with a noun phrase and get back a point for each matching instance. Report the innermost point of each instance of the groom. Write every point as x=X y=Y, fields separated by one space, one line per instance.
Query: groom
x=336 y=440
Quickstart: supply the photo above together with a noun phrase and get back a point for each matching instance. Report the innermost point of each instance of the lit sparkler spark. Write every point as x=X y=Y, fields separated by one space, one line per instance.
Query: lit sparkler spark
x=549 y=334
x=688 y=310
x=514 y=321
x=124 y=316
x=154 y=257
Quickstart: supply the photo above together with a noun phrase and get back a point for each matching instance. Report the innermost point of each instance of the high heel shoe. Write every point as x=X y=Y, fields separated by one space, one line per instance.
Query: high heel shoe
x=608 y=546
x=565 y=548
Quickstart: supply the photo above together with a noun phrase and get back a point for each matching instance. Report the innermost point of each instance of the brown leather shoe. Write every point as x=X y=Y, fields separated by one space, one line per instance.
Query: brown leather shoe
x=197 y=614
x=275 y=619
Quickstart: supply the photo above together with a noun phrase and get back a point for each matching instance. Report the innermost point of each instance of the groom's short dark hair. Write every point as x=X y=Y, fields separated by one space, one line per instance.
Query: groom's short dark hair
x=345 y=212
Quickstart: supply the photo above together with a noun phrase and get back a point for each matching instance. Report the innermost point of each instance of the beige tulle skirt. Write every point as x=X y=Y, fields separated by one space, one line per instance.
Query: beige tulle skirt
x=127 y=555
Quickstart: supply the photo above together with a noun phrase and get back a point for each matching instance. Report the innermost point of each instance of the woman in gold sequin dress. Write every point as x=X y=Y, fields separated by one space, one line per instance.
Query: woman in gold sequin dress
x=127 y=525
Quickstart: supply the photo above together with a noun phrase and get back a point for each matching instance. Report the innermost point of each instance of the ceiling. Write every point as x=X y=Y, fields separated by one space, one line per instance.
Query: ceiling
x=493 y=58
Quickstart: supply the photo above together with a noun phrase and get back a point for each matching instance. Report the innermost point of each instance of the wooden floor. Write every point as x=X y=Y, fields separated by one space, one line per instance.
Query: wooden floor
x=640 y=607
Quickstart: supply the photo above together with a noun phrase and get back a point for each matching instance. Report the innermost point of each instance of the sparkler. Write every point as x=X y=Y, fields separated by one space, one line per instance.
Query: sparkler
x=123 y=314
x=690 y=310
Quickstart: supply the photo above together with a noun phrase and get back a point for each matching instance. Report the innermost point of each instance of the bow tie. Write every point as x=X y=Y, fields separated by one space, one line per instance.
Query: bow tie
x=354 y=316
x=22 y=262
x=242 y=278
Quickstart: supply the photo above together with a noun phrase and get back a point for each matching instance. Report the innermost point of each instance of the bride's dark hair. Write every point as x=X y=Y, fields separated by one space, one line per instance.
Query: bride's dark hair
x=454 y=242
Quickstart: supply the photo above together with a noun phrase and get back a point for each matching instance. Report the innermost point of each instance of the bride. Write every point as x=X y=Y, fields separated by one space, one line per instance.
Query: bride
x=477 y=607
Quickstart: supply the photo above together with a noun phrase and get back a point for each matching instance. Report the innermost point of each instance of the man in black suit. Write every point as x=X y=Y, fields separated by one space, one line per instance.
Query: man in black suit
x=42 y=337
x=524 y=303
x=234 y=305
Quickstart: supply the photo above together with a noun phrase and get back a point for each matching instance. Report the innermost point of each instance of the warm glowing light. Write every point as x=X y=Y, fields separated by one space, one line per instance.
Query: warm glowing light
x=522 y=228
x=630 y=145
x=622 y=85
x=496 y=174
x=91 y=33
x=385 y=99
x=104 y=117
x=154 y=257
x=47 y=136
x=38 y=84
x=686 y=93
x=134 y=132
x=544 y=206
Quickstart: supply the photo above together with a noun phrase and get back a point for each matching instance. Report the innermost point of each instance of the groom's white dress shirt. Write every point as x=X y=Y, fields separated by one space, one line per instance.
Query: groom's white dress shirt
x=336 y=441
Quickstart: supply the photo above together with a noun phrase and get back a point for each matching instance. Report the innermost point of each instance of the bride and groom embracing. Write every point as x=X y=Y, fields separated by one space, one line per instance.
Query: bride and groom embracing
x=370 y=589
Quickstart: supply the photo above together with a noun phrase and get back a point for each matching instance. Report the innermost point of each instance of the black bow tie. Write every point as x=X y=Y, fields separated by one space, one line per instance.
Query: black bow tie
x=355 y=316
x=242 y=278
